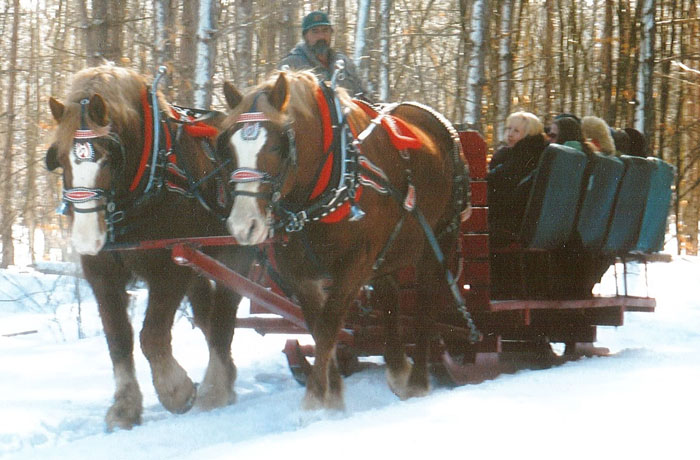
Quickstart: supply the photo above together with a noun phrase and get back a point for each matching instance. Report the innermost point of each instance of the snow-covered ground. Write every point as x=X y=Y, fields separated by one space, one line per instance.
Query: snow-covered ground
x=641 y=402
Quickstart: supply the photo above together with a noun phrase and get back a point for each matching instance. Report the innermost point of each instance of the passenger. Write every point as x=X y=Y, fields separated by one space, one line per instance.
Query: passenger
x=510 y=174
x=622 y=141
x=567 y=131
x=314 y=53
x=638 y=143
x=596 y=133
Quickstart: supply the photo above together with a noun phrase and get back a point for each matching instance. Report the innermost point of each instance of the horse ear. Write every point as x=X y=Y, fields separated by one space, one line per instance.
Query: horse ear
x=279 y=97
x=57 y=108
x=232 y=95
x=51 y=157
x=97 y=110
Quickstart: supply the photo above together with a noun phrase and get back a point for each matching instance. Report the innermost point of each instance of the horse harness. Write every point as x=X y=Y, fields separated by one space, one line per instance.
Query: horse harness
x=343 y=173
x=162 y=166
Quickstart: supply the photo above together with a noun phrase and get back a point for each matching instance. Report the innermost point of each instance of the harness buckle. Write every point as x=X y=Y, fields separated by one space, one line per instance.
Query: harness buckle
x=296 y=221
x=115 y=217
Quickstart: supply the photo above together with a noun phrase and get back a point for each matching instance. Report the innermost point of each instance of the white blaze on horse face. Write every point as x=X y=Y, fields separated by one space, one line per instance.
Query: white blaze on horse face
x=246 y=223
x=88 y=234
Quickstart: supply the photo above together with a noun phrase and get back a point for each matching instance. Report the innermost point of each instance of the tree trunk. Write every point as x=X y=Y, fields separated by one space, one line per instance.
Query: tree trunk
x=608 y=109
x=475 y=75
x=164 y=29
x=361 y=57
x=548 y=60
x=644 y=113
x=289 y=32
x=206 y=52
x=505 y=69
x=341 y=26
x=384 y=49
x=8 y=213
x=104 y=31
x=188 y=52
x=244 y=43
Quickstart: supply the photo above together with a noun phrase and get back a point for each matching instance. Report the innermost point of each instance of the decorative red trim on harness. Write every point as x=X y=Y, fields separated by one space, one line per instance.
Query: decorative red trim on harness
x=89 y=134
x=147 y=140
x=325 y=175
x=325 y=118
x=401 y=135
x=251 y=117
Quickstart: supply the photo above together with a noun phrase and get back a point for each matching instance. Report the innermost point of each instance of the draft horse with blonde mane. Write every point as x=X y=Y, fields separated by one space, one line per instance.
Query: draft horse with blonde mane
x=131 y=174
x=353 y=202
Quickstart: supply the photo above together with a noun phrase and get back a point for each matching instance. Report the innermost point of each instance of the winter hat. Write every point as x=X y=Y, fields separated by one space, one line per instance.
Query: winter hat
x=313 y=19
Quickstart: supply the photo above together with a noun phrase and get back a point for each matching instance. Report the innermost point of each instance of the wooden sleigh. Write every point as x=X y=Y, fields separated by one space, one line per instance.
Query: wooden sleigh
x=583 y=213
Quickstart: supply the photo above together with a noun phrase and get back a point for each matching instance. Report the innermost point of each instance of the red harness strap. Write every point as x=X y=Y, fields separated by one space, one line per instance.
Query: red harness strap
x=401 y=135
x=147 y=140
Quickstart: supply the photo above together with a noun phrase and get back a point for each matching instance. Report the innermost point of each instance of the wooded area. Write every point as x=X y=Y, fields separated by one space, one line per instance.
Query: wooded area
x=633 y=63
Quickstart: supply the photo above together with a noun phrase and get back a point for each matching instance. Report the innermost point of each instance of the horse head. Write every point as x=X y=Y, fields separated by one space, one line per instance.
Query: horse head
x=259 y=137
x=87 y=146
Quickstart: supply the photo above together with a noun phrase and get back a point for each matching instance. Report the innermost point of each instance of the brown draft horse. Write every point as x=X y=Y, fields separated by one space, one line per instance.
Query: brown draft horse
x=104 y=143
x=344 y=221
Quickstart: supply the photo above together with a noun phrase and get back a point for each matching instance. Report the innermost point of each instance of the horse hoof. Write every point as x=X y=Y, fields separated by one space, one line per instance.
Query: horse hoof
x=119 y=416
x=190 y=401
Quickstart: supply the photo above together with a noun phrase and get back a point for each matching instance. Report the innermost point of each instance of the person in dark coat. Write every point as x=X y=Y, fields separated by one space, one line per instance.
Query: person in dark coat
x=314 y=53
x=511 y=173
x=638 y=143
x=567 y=131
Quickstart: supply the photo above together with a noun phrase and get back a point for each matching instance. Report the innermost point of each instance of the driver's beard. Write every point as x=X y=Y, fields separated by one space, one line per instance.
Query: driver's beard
x=320 y=48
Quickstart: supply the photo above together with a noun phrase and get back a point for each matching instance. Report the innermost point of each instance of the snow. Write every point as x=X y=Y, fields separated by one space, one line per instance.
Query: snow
x=639 y=402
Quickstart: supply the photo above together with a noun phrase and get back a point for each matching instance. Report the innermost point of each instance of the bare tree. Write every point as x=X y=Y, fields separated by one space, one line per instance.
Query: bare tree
x=505 y=67
x=385 y=16
x=164 y=30
x=244 y=43
x=361 y=58
x=7 y=218
x=206 y=52
x=475 y=79
x=644 y=116
x=104 y=31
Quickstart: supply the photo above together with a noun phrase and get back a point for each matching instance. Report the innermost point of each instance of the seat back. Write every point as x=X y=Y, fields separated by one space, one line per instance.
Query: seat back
x=553 y=201
x=626 y=220
x=601 y=182
x=658 y=202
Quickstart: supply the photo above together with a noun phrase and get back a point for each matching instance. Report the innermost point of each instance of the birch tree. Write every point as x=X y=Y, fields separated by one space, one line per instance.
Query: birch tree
x=475 y=73
x=385 y=16
x=206 y=52
x=361 y=58
x=8 y=212
x=188 y=52
x=505 y=68
x=163 y=28
x=644 y=114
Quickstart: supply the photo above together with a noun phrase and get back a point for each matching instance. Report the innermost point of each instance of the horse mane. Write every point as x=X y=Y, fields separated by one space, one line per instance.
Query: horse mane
x=121 y=89
x=302 y=97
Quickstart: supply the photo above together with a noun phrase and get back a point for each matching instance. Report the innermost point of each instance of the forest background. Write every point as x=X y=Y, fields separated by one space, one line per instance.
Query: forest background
x=633 y=63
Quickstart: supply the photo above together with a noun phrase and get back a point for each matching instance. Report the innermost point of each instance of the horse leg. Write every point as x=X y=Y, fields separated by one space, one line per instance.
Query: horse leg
x=432 y=291
x=324 y=387
x=108 y=278
x=174 y=388
x=398 y=367
x=216 y=390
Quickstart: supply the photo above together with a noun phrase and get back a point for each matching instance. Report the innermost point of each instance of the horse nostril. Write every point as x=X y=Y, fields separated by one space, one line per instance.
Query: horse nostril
x=252 y=228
